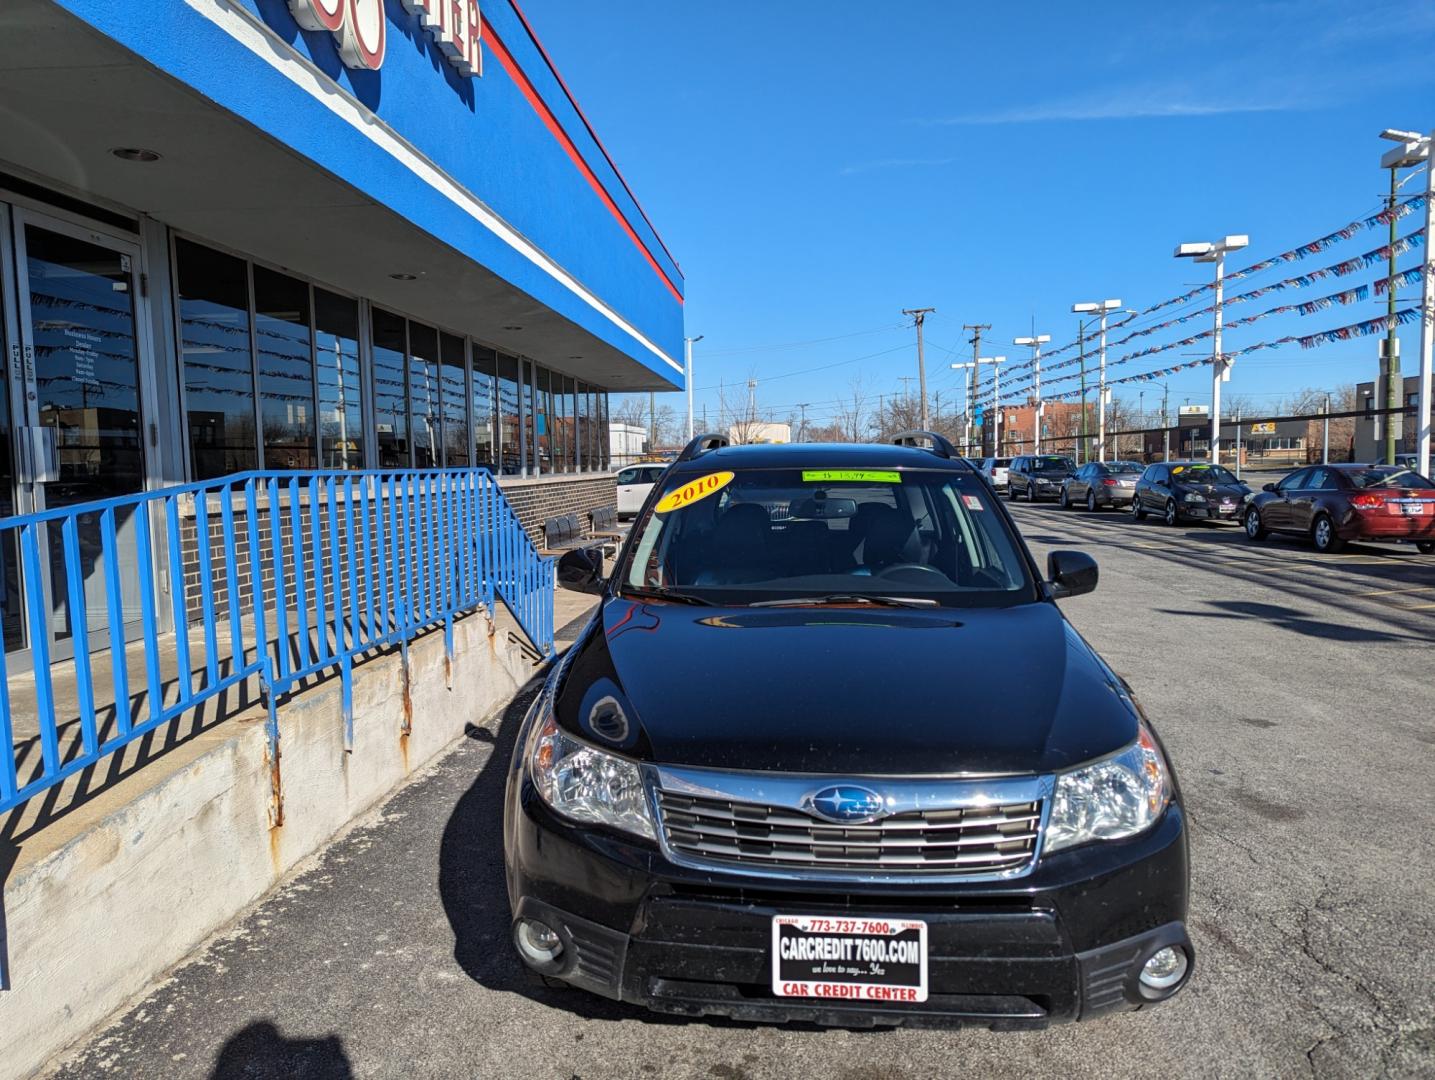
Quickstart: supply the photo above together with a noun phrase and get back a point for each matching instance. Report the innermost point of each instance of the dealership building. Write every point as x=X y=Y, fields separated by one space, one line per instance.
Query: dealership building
x=311 y=234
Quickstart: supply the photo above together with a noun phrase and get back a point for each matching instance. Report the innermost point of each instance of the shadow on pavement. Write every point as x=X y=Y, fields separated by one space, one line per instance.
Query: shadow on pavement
x=1290 y=619
x=260 y=1052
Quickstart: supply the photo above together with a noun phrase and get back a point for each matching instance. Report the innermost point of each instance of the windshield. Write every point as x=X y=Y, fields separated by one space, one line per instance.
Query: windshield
x=1052 y=464
x=1389 y=476
x=772 y=534
x=1203 y=474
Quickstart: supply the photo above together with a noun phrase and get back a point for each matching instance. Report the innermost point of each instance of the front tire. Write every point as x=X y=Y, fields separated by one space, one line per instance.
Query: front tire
x=1323 y=535
x=1172 y=515
x=1137 y=510
x=1063 y=500
x=1091 y=506
x=1425 y=547
x=1031 y=493
x=1254 y=529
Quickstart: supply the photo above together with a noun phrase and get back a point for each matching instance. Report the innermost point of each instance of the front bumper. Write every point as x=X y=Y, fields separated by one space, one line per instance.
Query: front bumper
x=1062 y=943
x=1212 y=511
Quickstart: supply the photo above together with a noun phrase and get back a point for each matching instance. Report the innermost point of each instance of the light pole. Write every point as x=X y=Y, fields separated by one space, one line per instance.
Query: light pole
x=1415 y=149
x=975 y=365
x=1036 y=341
x=688 y=377
x=1215 y=252
x=1104 y=308
x=996 y=362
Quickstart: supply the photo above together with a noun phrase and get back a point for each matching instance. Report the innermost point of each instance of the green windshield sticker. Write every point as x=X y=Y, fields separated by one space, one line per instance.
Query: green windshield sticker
x=834 y=476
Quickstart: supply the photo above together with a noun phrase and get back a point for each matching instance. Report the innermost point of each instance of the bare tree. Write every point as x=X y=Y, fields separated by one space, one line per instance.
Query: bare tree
x=852 y=412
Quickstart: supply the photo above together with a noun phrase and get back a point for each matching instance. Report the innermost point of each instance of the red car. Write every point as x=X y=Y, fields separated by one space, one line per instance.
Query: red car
x=1334 y=504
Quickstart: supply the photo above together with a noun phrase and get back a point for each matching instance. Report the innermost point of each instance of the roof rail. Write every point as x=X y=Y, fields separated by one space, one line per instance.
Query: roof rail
x=926 y=440
x=702 y=444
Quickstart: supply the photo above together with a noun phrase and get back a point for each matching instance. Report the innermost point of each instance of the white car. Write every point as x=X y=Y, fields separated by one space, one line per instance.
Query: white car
x=995 y=470
x=634 y=483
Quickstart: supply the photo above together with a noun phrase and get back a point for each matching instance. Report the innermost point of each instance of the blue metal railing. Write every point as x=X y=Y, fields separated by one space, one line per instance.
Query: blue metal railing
x=279 y=576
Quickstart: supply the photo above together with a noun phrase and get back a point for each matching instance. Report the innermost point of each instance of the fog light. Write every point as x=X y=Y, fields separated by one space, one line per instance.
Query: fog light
x=1164 y=970
x=539 y=944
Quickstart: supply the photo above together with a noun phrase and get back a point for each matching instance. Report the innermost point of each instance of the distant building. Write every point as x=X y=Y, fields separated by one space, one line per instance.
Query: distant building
x=626 y=443
x=759 y=432
x=1061 y=421
x=1370 y=427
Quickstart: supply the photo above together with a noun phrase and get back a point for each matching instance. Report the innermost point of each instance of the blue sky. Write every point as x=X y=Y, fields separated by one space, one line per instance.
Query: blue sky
x=817 y=167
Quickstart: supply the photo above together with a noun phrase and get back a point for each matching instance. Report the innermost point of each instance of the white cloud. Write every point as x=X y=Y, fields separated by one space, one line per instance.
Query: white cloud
x=1126 y=106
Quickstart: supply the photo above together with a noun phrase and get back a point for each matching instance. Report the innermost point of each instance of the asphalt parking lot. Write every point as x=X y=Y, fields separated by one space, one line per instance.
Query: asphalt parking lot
x=1295 y=692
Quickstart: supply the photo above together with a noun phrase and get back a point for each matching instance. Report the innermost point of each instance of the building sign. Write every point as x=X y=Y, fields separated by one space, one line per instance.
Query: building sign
x=359 y=29
x=1267 y=427
x=1195 y=410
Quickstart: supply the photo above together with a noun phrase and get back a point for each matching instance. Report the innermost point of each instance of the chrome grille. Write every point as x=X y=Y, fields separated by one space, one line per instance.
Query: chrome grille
x=973 y=840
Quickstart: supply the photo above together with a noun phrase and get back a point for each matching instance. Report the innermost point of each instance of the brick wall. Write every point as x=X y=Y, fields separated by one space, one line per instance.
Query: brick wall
x=535 y=501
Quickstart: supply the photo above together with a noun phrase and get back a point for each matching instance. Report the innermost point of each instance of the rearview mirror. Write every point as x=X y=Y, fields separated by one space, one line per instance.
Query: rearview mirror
x=1071 y=573
x=1269 y=487
x=581 y=570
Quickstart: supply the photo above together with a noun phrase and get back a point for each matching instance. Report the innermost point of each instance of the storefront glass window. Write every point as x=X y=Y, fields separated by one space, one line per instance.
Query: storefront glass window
x=563 y=411
x=218 y=364
x=453 y=391
x=286 y=370
x=484 y=377
x=526 y=381
x=508 y=413
x=543 y=418
x=390 y=403
x=604 y=441
x=580 y=429
x=423 y=395
x=341 y=396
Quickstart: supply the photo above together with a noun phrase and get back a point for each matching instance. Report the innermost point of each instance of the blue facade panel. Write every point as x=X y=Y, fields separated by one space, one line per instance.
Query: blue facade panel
x=483 y=133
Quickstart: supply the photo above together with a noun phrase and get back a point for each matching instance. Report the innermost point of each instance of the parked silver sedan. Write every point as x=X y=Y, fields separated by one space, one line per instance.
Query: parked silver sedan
x=1101 y=483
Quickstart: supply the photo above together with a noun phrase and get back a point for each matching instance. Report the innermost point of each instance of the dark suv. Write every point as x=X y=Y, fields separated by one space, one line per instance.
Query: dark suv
x=775 y=778
x=1038 y=476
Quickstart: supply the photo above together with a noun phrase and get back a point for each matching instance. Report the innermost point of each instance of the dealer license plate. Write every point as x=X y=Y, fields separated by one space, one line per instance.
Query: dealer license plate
x=849 y=959
x=1412 y=508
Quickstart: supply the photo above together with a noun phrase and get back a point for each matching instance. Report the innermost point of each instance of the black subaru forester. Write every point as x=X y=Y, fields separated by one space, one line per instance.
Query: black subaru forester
x=828 y=751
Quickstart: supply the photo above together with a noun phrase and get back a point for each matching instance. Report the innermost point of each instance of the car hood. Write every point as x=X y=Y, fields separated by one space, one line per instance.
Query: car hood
x=854 y=691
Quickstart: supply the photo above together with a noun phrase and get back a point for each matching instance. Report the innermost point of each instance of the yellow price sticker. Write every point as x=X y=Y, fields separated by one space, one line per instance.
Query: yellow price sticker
x=691 y=492
x=833 y=476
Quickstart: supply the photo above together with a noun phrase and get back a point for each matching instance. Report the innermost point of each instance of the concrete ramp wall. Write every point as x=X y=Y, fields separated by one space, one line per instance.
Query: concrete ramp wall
x=138 y=878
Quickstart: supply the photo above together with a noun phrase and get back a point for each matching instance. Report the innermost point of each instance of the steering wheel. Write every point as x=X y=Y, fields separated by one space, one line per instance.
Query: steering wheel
x=896 y=568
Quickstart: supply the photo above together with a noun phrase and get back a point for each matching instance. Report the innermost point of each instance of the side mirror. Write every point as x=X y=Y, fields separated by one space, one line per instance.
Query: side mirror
x=1072 y=573
x=1269 y=487
x=581 y=570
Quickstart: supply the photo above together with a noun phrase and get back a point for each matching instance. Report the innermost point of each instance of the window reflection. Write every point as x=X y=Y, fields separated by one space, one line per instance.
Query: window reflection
x=218 y=365
x=341 y=395
x=453 y=393
x=286 y=370
x=390 y=404
x=423 y=395
x=508 y=413
x=485 y=377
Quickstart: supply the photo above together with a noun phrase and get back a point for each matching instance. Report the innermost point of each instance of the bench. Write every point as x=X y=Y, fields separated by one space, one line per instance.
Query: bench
x=605 y=523
x=562 y=532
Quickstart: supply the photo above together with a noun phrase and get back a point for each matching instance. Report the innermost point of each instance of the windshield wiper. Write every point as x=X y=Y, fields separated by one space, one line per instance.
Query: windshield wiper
x=850 y=598
x=666 y=594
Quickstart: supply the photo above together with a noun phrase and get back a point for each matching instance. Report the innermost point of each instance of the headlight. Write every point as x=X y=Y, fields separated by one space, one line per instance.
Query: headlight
x=586 y=784
x=1112 y=799
x=1192 y=497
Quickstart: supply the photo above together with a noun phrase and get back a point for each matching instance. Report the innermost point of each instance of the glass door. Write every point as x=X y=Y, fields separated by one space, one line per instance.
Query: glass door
x=81 y=426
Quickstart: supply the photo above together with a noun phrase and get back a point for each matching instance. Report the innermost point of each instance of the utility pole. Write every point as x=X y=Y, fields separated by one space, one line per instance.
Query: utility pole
x=976 y=342
x=688 y=378
x=882 y=416
x=802 y=427
x=1416 y=149
x=1081 y=345
x=1165 y=424
x=920 y=315
x=652 y=422
x=1390 y=348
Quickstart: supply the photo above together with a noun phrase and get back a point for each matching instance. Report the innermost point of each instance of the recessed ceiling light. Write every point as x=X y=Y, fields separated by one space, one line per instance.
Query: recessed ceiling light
x=135 y=153
x=513 y=328
x=404 y=277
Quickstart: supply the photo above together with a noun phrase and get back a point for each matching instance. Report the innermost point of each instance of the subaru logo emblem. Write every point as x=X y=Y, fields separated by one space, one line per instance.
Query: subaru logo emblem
x=847 y=805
